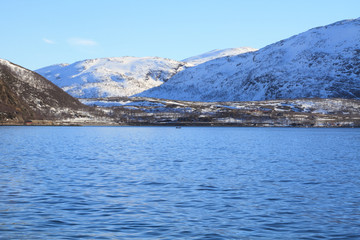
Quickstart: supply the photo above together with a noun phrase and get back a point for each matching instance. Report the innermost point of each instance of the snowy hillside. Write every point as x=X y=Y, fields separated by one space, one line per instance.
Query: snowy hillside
x=107 y=77
x=323 y=62
x=218 y=53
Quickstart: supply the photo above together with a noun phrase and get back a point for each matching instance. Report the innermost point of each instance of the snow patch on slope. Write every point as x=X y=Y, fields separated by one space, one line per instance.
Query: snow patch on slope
x=217 y=53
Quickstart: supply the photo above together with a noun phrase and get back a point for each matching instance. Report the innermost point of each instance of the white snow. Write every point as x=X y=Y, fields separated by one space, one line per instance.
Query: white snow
x=322 y=62
x=217 y=53
x=117 y=103
x=109 y=77
x=123 y=76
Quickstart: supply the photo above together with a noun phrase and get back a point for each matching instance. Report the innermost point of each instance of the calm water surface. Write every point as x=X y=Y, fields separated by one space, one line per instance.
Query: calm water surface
x=188 y=183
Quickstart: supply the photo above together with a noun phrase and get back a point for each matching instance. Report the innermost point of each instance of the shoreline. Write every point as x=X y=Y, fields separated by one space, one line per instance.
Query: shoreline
x=183 y=124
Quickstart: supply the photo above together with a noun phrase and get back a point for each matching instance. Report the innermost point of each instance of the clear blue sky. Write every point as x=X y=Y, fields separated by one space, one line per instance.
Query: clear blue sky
x=38 y=33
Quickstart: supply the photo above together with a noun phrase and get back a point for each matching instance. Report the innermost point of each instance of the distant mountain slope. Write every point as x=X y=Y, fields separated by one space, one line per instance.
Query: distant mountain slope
x=217 y=53
x=25 y=94
x=323 y=62
x=109 y=77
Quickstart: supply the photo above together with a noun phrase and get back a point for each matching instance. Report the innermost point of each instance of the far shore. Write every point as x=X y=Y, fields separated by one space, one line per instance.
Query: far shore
x=173 y=124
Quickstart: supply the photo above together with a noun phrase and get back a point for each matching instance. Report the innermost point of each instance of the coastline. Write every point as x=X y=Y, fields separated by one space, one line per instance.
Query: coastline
x=316 y=113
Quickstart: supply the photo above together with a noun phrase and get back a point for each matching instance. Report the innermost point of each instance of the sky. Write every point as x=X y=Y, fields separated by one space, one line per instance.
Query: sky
x=39 y=33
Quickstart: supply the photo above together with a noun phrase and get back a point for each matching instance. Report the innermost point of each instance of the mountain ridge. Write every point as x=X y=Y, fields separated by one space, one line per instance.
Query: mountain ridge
x=321 y=62
x=122 y=76
x=217 y=53
x=108 y=77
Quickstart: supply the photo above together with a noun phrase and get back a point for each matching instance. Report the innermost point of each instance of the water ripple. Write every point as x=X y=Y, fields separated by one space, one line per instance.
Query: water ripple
x=161 y=183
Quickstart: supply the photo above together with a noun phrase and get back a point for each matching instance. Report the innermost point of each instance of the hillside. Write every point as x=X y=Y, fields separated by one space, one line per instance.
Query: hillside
x=217 y=53
x=26 y=95
x=109 y=77
x=323 y=62
x=11 y=106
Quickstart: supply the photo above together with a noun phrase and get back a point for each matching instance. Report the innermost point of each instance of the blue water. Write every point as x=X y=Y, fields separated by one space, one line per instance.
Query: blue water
x=188 y=183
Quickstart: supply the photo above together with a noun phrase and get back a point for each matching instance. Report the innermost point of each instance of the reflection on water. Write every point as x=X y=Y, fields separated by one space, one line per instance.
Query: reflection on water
x=188 y=183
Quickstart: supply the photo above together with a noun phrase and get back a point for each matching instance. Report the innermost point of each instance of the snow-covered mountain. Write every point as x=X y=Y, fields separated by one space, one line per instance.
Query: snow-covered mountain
x=323 y=62
x=217 y=53
x=110 y=77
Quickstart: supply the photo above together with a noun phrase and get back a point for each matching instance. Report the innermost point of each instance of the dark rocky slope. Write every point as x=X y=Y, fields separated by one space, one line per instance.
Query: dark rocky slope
x=25 y=94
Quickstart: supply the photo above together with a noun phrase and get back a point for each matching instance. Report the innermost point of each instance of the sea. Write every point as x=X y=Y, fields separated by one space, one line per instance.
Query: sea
x=179 y=183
